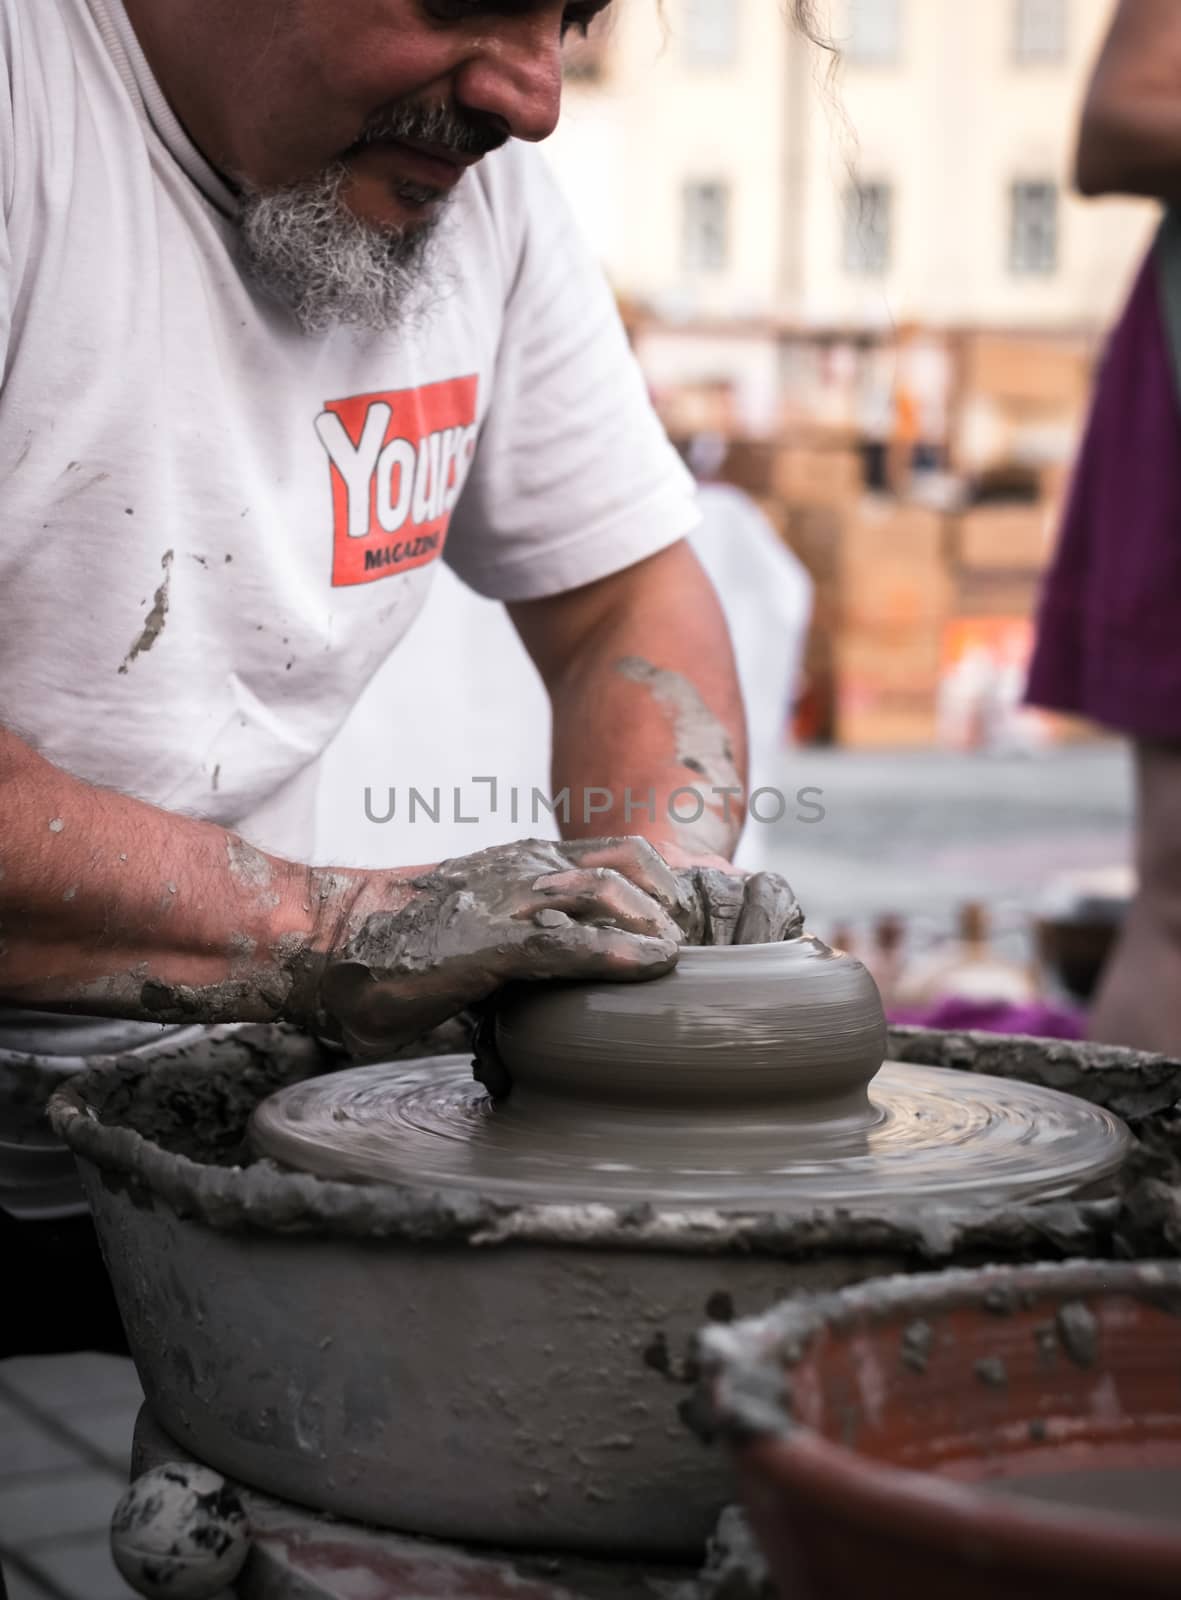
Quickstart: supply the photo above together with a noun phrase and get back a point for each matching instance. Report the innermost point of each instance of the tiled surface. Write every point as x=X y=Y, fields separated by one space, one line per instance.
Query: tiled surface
x=106 y=1431
x=82 y=1566
x=27 y=1448
x=65 y=1435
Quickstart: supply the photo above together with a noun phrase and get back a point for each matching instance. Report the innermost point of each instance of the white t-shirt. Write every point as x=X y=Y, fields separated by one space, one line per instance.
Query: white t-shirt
x=215 y=528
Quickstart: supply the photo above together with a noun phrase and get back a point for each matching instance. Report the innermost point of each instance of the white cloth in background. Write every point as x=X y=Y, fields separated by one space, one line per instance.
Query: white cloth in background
x=477 y=709
x=766 y=594
x=480 y=709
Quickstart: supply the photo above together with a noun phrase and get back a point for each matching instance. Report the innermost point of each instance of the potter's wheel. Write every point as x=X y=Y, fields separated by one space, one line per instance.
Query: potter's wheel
x=925 y=1131
x=747 y=1077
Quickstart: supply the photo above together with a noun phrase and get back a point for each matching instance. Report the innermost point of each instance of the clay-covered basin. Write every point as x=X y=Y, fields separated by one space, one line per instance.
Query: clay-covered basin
x=439 y=1361
x=793 y=1020
x=1006 y=1432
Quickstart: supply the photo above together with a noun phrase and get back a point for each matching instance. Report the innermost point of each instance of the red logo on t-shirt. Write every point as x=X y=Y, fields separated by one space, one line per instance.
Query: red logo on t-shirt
x=398 y=463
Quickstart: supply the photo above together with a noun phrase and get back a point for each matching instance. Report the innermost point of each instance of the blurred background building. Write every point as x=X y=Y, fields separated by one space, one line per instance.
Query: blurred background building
x=725 y=168
x=865 y=270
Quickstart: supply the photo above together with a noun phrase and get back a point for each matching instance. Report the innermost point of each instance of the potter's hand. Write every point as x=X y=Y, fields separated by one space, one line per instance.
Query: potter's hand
x=721 y=905
x=597 y=909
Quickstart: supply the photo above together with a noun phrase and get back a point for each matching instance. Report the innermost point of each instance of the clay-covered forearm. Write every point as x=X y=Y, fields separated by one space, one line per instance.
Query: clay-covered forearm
x=649 y=729
x=113 y=907
x=1130 y=135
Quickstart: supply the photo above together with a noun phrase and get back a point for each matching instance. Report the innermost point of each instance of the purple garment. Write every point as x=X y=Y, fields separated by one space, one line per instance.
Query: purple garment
x=958 y=1015
x=1109 y=632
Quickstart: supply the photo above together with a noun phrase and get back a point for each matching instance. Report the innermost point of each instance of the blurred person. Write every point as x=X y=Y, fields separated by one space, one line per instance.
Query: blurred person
x=924 y=378
x=1109 y=633
x=876 y=416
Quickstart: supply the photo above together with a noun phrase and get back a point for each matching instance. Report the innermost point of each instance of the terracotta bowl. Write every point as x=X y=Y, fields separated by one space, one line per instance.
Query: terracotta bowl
x=793 y=1020
x=1008 y=1432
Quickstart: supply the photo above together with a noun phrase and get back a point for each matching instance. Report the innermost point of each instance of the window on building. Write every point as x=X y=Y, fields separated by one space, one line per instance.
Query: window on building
x=1040 y=30
x=711 y=32
x=869 y=211
x=706 y=234
x=1033 y=235
x=875 y=31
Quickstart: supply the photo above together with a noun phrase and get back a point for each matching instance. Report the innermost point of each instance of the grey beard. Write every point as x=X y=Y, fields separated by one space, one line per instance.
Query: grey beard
x=302 y=247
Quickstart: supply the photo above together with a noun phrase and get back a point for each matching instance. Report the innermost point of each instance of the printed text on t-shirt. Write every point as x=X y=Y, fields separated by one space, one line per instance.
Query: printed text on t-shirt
x=398 y=463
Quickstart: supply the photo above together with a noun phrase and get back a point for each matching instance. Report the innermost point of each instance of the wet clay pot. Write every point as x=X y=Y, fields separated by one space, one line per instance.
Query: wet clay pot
x=1003 y=1432
x=791 y=1021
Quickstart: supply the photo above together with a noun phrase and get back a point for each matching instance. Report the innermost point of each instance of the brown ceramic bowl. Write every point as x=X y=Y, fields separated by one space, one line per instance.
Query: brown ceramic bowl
x=1002 y=1434
x=793 y=1020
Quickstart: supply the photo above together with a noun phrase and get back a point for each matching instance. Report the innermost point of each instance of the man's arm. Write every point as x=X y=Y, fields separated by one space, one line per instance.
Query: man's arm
x=112 y=907
x=1130 y=138
x=640 y=671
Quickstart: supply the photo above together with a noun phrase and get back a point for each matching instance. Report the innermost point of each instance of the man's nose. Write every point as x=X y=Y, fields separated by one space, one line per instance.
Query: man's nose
x=514 y=74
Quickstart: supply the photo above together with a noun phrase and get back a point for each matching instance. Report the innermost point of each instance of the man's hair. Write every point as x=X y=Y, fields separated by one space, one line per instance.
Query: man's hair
x=804 y=12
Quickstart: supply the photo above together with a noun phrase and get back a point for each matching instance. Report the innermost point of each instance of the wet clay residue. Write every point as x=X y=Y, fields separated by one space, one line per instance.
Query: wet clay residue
x=917 y=1340
x=533 y=908
x=734 y=1568
x=703 y=747
x=154 y=622
x=923 y=1140
x=135 y=1129
x=1132 y=1084
x=992 y=1372
x=1079 y=1333
x=726 y=1083
x=740 y=1366
x=250 y=869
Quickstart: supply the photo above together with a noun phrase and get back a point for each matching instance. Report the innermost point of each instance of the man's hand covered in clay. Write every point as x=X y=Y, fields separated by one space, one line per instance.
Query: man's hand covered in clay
x=609 y=908
x=528 y=910
x=722 y=906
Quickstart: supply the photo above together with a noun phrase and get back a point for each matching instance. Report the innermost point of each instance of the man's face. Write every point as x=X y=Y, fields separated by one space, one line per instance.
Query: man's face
x=403 y=95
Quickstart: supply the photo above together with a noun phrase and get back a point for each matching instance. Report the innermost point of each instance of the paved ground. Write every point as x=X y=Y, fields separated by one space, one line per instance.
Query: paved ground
x=65 y=1438
x=922 y=833
x=917 y=835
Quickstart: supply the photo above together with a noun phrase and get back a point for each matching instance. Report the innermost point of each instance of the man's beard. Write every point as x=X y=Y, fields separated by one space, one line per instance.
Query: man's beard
x=303 y=247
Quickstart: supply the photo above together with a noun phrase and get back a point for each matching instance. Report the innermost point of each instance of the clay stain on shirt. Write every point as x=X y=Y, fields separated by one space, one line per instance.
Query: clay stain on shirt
x=81 y=485
x=154 y=625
